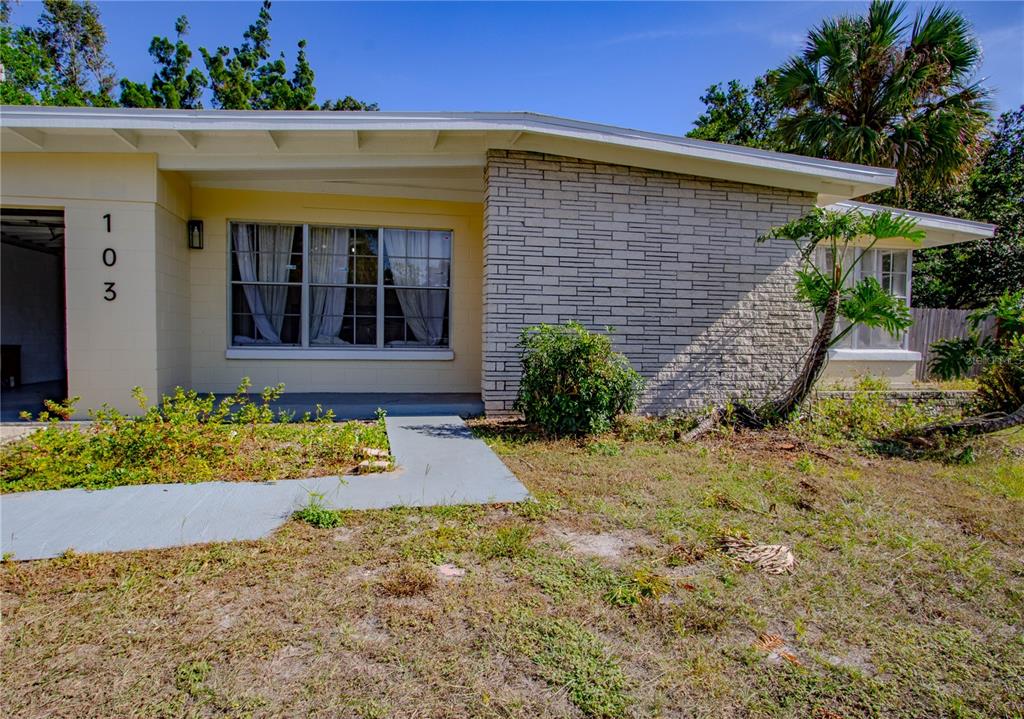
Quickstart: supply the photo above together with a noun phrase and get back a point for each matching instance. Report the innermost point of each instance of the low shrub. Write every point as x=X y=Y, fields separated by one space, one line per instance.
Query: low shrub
x=188 y=437
x=865 y=415
x=573 y=383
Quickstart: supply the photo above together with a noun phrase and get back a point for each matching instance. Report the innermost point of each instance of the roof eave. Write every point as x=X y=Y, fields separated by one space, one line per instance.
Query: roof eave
x=939 y=229
x=829 y=179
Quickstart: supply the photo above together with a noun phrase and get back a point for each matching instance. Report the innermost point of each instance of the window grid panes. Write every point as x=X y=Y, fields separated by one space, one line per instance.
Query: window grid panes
x=266 y=284
x=346 y=287
x=892 y=270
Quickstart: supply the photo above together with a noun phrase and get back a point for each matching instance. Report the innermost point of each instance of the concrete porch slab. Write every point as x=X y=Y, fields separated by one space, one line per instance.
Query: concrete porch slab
x=439 y=463
x=363 y=405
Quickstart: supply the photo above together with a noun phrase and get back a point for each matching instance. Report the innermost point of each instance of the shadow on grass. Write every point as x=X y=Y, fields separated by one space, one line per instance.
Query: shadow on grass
x=514 y=431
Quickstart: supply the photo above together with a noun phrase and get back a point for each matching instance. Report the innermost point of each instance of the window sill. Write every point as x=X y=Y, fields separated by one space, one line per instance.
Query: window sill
x=315 y=353
x=869 y=355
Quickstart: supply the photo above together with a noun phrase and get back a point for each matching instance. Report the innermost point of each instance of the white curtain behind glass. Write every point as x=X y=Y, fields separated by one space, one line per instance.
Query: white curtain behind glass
x=263 y=253
x=328 y=265
x=890 y=268
x=420 y=259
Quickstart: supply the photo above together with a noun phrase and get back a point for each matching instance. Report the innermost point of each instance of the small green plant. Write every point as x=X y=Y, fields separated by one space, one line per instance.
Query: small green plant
x=318 y=514
x=540 y=506
x=573 y=383
x=510 y=541
x=701 y=612
x=633 y=428
x=641 y=586
x=804 y=464
x=190 y=677
x=606 y=448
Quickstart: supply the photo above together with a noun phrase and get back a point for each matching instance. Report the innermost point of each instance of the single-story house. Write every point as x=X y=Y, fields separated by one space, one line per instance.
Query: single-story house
x=403 y=252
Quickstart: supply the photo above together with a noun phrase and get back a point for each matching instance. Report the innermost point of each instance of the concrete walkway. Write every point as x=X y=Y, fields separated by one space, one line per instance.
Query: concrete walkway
x=439 y=462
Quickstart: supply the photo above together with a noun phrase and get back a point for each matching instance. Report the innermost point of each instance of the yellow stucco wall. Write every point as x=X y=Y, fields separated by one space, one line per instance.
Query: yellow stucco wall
x=212 y=371
x=173 y=288
x=111 y=345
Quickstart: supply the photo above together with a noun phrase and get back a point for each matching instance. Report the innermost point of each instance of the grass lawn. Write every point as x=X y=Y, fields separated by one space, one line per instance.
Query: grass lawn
x=608 y=596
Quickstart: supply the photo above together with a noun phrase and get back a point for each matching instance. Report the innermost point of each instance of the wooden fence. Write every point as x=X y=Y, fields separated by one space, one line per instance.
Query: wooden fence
x=932 y=324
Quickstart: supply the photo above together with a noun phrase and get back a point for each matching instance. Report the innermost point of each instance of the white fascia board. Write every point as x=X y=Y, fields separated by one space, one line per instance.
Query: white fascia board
x=939 y=229
x=504 y=124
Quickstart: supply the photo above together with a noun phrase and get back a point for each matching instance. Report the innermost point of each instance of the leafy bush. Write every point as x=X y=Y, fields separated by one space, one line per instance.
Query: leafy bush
x=1001 y=383
x=573 y=383
x=186 y=438
x=955 y=357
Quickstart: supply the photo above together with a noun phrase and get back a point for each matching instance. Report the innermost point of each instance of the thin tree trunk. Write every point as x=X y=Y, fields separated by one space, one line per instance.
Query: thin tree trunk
x=972 y=426
x=814 y=364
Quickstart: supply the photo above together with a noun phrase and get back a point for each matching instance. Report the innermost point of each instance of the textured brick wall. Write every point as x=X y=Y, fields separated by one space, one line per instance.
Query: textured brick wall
x=669 y=260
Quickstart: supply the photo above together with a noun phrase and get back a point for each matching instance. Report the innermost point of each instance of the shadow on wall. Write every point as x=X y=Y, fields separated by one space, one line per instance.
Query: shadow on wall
x=750 y=347
x=670 y=261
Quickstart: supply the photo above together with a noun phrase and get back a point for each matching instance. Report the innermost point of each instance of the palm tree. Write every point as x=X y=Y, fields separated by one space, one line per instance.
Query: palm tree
x=877 y=91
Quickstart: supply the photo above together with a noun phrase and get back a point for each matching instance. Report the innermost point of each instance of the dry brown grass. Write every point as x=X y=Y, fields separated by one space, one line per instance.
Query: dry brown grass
x=907 y=599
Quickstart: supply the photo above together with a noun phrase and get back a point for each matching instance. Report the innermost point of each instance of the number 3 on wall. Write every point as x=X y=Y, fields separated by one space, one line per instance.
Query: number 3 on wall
x=110 y=294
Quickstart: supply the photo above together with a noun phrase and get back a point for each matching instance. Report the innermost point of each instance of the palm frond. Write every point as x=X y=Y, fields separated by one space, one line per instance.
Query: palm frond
x=888 y=225
x=868 y=304
x=813 y=288
x=954 y=358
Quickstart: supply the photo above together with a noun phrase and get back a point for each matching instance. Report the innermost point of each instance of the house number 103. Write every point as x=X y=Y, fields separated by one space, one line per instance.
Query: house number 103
x=109 y=259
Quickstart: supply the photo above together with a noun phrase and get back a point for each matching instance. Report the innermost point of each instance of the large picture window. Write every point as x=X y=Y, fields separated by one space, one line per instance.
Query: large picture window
x=318 y=286
x=892 y=270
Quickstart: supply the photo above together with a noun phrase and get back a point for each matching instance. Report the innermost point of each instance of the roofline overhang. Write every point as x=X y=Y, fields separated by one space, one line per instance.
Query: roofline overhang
x=939 y=229
x=831 y=180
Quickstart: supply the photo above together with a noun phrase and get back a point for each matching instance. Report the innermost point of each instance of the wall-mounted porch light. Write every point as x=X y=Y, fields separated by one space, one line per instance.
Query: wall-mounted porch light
x=195 y=234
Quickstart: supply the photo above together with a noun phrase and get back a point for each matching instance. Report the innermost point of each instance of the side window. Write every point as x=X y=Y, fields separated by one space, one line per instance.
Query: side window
x=892 y=270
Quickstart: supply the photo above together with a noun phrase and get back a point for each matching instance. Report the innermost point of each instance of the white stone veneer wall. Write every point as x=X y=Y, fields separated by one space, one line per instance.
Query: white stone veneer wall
x=670 y=261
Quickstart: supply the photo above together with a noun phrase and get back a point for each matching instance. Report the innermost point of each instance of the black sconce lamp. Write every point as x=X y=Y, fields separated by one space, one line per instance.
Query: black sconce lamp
x=195 y=234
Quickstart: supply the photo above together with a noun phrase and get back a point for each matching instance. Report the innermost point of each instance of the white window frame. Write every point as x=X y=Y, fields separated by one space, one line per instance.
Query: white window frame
x=855 y=349
x=362 y=352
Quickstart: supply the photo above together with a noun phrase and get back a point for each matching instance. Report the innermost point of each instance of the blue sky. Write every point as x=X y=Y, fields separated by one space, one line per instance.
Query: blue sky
x=640 y=65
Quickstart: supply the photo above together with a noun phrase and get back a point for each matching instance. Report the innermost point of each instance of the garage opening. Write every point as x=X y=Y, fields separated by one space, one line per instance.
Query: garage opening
x=33 y=345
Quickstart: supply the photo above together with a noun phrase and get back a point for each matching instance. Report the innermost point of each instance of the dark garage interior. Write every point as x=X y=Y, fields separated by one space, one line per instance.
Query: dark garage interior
x=33 y=365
